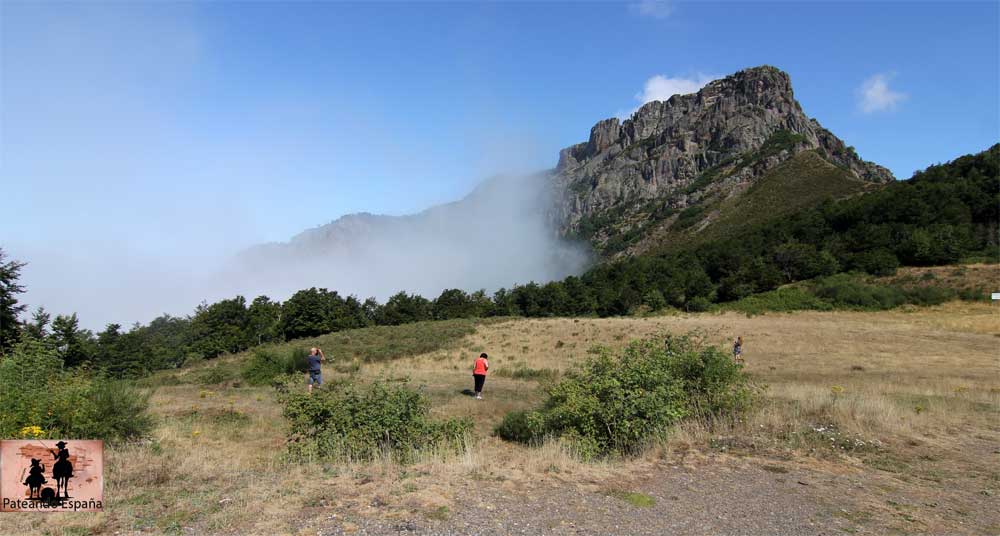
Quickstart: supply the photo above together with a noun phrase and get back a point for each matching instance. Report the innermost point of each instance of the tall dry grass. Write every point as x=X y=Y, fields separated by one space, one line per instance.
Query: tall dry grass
x=888 y=379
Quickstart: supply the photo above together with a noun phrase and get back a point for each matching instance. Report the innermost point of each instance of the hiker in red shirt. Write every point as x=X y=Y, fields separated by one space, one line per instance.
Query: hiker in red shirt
x=479 y=373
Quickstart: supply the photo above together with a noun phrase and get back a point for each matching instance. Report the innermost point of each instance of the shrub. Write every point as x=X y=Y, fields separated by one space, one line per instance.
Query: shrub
x=689 y=217
x=352 y=422
x=698 y=304
x=267 y=364
x=109 y=409
x=522 y=426
x=930 y=295
x=215 y=375
x=974 y=294
x=849 y=292
x=36 y=392
x=879 y=262
x=616 y=403
x=781 y=300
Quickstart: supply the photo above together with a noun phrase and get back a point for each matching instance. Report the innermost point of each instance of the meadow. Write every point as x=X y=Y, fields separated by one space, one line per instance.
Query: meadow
x=907 y=400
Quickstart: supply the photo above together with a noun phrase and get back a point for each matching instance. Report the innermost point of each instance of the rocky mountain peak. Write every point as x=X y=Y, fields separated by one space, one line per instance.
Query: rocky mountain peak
x=670 y=171
x=693 y=149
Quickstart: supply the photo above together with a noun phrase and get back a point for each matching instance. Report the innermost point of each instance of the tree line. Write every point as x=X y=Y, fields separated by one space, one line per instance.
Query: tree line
x=942 y=215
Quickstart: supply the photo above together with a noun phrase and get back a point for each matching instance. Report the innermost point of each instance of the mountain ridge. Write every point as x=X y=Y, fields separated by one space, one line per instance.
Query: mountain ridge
x=690 y=150
x=668 y=172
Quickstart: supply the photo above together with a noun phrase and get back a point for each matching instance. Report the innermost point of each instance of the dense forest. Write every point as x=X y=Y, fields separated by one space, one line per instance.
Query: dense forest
x=945 y=214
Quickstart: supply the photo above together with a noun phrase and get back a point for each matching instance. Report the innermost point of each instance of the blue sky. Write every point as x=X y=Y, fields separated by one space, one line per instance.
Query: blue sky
x=164 y=134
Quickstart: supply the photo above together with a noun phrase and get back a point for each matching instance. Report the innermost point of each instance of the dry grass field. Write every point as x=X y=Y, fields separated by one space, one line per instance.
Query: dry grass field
x=894 y=416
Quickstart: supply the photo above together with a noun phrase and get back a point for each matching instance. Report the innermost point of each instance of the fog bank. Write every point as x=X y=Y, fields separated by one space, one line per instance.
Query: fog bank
x=497 y=236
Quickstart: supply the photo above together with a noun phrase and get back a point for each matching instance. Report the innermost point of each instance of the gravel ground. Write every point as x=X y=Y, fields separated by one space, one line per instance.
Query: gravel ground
x=719 y=495
x=688 y=501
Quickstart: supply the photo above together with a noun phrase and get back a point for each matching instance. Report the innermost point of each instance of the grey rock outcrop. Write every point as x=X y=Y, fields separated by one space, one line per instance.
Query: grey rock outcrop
x=728 y=134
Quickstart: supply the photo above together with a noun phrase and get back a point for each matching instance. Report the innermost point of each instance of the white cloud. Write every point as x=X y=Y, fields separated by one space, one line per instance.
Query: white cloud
x=661 y=88
x=874 y=95
x=657 y=9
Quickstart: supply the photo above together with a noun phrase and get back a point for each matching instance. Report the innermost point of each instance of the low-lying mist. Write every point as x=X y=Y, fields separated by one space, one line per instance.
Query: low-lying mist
x=497 y=236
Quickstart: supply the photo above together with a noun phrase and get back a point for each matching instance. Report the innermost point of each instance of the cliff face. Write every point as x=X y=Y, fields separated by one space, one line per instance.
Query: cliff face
x=691 y=150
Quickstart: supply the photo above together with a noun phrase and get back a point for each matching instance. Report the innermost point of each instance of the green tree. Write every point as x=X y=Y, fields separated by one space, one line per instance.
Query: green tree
x=263 y=320
x=503 y=304
x=879 y=262
x=166 y=341
x=130 y=355
x=10 y=309
x=654 y=300
x=373 y=312
x=481 y=303
x=304 y=314
x=403 y=308
x=220 y=327
x=453 y=303
x=798 y=261
x=71 y=342
x=345 y=313
x=108 y=351
x=38 y=328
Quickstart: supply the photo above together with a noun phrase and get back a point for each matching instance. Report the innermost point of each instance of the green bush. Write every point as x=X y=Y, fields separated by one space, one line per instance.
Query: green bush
x=689 y=217
x=522 y=426
x=698 y=304
x=842 y=291
x=845 y=291
x=352 y=422
x=974 y=294
x=616 y=403
x=268 y=364
x=35 y=391
x=879 y=262
x=930 y=295
x=215 y=375
x=780 y=300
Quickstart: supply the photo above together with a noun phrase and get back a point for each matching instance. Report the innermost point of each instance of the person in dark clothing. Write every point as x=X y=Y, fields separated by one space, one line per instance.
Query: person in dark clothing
x=62 y=470
x=36 y=477
x=479 y=374
x=315 y=374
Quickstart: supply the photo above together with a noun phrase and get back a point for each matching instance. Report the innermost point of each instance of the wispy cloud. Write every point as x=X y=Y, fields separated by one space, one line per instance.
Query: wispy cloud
x=657 y=9
x=875 y=95
x=661 y=88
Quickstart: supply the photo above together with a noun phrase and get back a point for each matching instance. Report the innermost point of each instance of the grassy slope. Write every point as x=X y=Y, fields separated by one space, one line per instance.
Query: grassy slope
x=344 y=350
x=971 y=277
x=804 y=180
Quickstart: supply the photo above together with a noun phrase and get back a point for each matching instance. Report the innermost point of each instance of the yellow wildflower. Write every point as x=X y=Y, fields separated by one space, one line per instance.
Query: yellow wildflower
x=32 y=431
